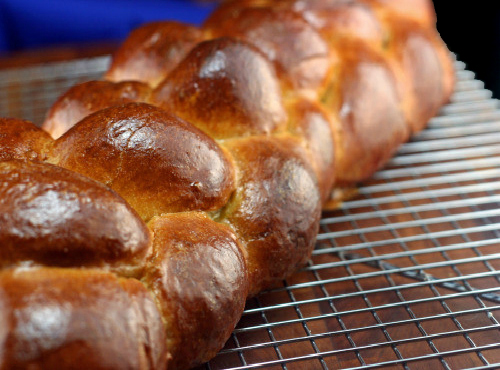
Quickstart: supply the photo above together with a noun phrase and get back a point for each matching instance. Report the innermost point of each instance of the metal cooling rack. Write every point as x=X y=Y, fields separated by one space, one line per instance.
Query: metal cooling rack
x=406 y=275
x=29 y=92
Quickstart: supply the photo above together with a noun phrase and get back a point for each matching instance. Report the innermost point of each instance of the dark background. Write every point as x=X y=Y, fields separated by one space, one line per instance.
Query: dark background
x=470 y=28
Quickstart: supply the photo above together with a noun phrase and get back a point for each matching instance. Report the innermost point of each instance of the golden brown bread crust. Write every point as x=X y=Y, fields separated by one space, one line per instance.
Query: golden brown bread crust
x=226 y=88
x=156 y=161
x=312 y=124
x=56 y=217
x=370 y=129
x=235 y=136
x=20 y=139
x=341 y=19
x=89 y=97
x=276 y=207
x=150 y=52
x=198 y=272
x=421 y=11
x=418 y=53
x=78 y=319
x=301 y=55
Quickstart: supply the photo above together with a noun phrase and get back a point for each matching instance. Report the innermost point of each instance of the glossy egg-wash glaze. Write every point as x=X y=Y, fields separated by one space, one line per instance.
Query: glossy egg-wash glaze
x=20 y=139
x=226 y=88
x=369 y=127
x=422 y=65
x=311 y=123
x=285 y=38
x=199 y=274
x=156 y=161
x=421 y=11
x=337 y=19
x=77 y=319
x=276 y=208
x=151 y=51
x=53 y=216
x=231 y=176
x=89 y=97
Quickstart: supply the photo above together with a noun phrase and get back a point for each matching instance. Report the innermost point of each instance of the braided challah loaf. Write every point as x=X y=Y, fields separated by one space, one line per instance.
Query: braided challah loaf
x=194 y=174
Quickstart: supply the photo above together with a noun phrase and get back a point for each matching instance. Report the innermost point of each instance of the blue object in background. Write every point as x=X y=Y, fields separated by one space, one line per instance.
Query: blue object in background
x=31 y=24
x=471 y=31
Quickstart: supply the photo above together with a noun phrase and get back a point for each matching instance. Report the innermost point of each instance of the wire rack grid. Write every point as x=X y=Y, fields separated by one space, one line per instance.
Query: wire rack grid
x=406 y=275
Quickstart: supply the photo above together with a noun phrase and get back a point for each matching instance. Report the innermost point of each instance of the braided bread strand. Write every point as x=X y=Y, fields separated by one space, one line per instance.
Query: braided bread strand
x=194 y=175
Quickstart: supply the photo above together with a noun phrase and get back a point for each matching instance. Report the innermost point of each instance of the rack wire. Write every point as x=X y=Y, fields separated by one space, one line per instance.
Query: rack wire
x=406 y=275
